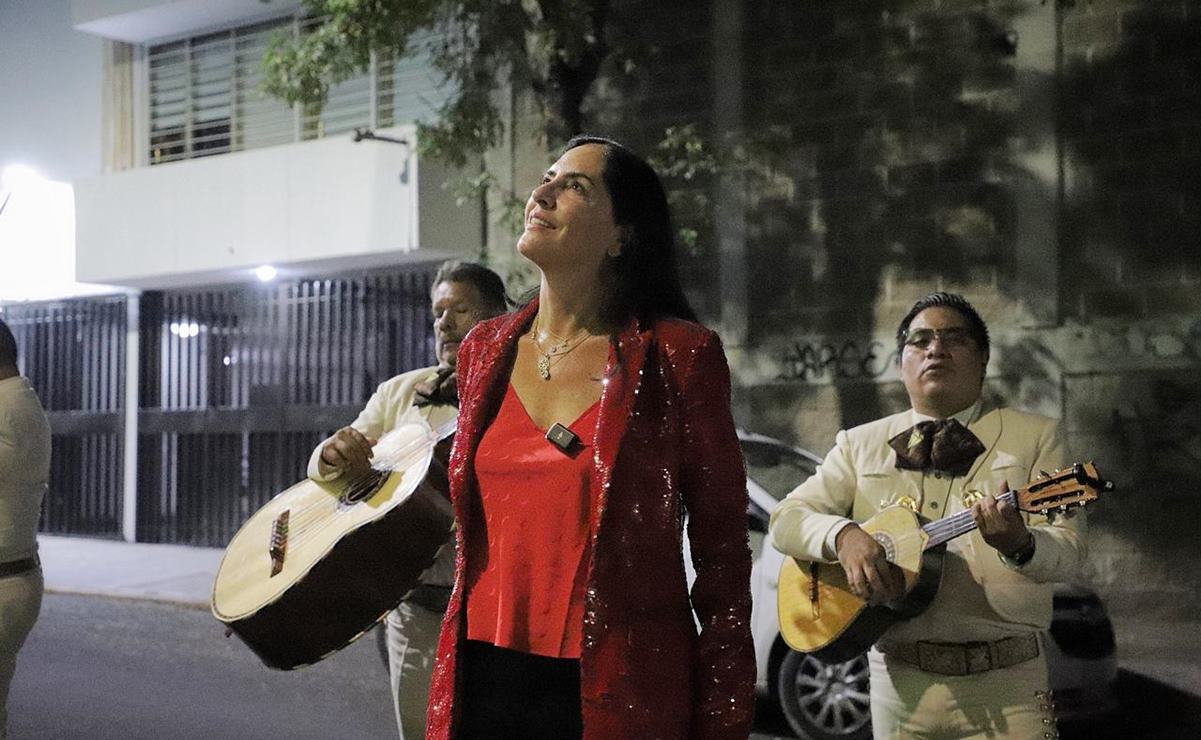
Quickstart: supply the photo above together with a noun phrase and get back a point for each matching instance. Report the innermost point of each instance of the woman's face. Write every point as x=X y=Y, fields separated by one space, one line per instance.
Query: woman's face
x=569 y=217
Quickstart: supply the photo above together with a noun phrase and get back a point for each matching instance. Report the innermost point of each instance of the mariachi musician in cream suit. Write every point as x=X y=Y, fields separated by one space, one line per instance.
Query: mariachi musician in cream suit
x=972 y=664
x=463 y=294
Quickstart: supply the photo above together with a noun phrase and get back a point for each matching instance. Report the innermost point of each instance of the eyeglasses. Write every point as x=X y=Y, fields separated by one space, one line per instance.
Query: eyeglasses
x=955 y=337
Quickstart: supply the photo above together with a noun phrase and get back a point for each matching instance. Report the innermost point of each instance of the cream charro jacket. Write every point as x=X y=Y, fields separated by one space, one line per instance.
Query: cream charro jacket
x=859 y=477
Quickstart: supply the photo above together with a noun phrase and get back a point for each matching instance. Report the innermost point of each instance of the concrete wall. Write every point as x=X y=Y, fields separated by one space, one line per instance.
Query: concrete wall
x=329 y=202
x=137 y=21
x=1040 y=158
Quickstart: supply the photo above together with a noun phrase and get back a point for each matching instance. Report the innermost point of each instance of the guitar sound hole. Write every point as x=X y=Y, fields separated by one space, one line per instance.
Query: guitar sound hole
x=365 y=487
x=890 y=547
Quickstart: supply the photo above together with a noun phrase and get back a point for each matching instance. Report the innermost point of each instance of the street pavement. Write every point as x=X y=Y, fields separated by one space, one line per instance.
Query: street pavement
x=111 y=659
x=96 y=668
x=1159 y=684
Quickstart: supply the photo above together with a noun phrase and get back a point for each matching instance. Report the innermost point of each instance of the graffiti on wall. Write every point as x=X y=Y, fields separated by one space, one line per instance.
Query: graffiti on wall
x=827 y=361
x=1181 y=341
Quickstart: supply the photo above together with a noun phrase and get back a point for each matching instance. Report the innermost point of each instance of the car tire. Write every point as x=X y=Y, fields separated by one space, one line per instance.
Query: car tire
x=825 y=701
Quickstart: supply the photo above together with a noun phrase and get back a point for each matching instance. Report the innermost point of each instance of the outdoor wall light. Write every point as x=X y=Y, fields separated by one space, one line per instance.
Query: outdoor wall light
x=185 y=329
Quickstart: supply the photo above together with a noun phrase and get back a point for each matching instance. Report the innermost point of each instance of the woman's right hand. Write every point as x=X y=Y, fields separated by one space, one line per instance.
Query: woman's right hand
x=348 y=452
x=870 y=575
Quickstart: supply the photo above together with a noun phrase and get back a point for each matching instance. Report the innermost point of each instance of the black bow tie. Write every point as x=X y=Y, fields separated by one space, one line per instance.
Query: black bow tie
x=440 y=389
x=945 y=446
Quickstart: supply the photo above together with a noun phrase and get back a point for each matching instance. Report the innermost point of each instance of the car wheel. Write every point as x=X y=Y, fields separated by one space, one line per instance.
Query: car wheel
x=825 y=701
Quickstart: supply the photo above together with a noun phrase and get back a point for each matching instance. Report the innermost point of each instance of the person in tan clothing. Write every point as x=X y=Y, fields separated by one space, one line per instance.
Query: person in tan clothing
x=972 y=664
x=24 y=473
x=463 y=294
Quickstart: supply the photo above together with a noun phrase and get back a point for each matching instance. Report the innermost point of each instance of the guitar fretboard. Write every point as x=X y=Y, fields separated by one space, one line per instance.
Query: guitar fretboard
x=956 y=524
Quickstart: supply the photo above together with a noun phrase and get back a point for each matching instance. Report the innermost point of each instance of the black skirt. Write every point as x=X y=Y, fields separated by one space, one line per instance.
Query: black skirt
x=510 y=694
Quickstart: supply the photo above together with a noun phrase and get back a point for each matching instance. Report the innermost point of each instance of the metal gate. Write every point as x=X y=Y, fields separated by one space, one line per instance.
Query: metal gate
x=237 y=385
x=73 y=353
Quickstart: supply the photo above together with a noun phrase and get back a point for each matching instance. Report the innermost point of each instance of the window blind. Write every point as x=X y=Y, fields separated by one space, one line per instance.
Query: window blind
x=205 y=94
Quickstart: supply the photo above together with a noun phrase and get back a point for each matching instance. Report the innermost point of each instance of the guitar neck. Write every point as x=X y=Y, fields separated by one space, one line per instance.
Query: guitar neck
x=951 y=527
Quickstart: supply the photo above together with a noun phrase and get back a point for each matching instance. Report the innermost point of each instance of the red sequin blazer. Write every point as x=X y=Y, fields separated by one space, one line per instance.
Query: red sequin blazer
x=665 y=446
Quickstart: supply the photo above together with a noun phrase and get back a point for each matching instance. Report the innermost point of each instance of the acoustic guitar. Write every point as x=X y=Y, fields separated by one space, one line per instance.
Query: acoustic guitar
x=820 y=615
x=321 y=563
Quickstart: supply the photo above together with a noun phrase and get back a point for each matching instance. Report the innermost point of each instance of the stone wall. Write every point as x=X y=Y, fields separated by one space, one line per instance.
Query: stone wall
x=1041 y=158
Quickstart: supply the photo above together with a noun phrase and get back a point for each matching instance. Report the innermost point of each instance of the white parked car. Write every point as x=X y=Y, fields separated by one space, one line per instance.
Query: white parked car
x=830 y=702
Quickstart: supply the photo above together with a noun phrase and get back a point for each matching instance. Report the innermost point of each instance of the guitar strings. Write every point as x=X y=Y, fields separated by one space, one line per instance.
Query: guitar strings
x=312 y=518
x=308 y=521
x=946 y=529
x=396 y=459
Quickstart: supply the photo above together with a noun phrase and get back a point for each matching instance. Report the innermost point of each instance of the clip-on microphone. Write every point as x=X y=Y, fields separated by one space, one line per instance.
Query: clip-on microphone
x=563 y=438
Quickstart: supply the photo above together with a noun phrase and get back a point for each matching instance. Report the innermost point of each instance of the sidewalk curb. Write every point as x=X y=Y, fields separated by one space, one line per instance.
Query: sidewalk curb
x=179 y=575
x=100 y=593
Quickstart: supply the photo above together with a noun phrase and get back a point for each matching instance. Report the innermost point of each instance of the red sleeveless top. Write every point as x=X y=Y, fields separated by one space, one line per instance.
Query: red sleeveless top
x=527 y=575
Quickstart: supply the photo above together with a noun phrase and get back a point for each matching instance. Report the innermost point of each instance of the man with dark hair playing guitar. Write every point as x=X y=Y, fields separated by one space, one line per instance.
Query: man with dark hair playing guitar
x=463 y=294
x=970 y=663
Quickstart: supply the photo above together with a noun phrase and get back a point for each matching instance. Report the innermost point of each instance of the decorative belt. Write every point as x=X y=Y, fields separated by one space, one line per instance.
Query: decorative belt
x=964 y=658
x=17 y=567
x=434 y=598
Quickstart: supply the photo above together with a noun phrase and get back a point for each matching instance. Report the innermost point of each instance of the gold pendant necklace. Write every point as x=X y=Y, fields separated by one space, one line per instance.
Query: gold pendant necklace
x=547 y=358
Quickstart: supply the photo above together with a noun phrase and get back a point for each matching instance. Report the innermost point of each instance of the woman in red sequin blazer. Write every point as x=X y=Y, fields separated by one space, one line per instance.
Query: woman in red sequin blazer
x=663 y=454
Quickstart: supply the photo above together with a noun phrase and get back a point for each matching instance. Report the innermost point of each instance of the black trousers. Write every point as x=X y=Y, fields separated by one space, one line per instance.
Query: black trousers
x=508 y=694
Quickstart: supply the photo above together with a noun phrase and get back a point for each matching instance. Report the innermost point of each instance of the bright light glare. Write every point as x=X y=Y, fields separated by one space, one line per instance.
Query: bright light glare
x=21 y=177
x=265 y=273
x=37 y=238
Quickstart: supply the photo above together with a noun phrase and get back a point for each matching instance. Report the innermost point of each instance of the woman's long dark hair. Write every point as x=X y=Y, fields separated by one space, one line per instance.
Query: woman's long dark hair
x=646 y=276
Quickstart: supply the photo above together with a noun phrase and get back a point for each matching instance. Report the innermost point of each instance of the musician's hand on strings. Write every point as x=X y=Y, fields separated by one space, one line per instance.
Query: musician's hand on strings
x=869 y=573
x=1001 y=524
x=348 y=452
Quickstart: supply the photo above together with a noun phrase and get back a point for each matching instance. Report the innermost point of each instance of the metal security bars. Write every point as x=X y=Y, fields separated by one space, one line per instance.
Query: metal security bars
x=237 y=385
x=73 y=353
x=205 y=94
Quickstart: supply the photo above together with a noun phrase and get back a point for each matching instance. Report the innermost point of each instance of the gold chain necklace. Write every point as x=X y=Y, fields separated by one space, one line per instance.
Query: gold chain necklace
x=549 y=358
